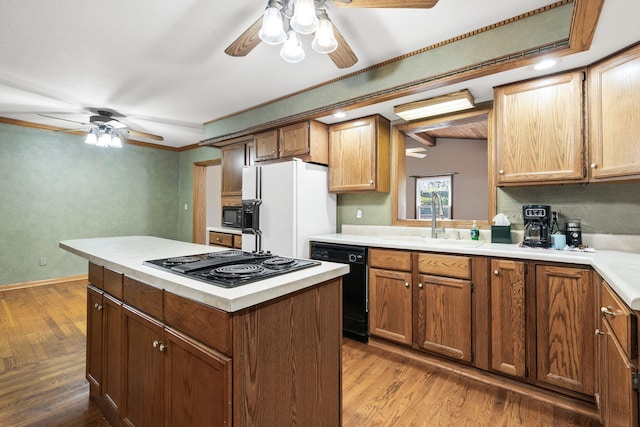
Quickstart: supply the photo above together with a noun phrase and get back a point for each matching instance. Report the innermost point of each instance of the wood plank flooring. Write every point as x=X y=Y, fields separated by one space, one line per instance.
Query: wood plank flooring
x=42 y=377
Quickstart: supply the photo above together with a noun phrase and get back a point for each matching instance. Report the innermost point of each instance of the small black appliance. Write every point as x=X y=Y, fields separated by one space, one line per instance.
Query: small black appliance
x=537 y=225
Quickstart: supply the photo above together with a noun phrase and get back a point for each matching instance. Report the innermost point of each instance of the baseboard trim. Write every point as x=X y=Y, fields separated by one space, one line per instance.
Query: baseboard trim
x=23 y=285
x=558 y=400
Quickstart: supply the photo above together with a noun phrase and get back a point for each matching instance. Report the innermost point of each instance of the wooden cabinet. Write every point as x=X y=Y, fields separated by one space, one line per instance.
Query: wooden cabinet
x=613 y=88
x=539 y=131
x=444 y=305
x=94 y=339
x=305 y=140
x=233 y=160
x=508 y=344
x=565 y=345
x=390 y=295
x=225 y=239
x=410 y=304
x=359 y=156
x=619 y=357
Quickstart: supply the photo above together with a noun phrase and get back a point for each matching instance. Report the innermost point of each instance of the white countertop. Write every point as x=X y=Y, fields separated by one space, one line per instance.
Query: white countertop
x=126 y=255
x=620 y=269
x=227 y=230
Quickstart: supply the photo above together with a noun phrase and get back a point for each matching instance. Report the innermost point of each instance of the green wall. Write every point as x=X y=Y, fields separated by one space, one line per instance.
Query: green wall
x=55 y=187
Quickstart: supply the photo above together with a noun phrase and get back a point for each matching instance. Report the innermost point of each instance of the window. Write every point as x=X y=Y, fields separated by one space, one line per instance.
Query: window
x=425 y=187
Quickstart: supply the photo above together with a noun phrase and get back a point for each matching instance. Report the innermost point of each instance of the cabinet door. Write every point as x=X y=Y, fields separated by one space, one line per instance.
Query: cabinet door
x=390 y=305
x=444 y=316
x=233 y=158
x=619 y=400
x=539 y=135
x=508 y=336
x=94 y=339
x=614 y=107
x=198 y=384
x=294 y=140
x=143 y=369
x=353 y=157
x=112 y=352
x=566 y=316
x=266 y=145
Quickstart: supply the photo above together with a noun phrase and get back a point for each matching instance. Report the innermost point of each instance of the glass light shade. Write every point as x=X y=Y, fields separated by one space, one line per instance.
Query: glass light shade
x=324 y=41
x=292 y=49
x=91 y=138
x=272 y=30
x=116 y=142
x=304 y=18
x=104 y=140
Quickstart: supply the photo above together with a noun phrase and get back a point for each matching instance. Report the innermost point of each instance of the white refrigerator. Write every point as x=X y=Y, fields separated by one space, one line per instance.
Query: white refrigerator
x=293 y=202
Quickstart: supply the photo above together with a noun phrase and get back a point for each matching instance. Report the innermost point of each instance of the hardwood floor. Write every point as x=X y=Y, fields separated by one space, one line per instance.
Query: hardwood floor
x=42 y=383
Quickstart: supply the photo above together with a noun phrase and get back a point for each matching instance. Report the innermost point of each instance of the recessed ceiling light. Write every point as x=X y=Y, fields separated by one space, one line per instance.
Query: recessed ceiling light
x=339 y=114
x=545 y=64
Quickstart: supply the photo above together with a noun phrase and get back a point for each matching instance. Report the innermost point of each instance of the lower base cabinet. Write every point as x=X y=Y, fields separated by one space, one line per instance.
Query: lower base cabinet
x=157 y=359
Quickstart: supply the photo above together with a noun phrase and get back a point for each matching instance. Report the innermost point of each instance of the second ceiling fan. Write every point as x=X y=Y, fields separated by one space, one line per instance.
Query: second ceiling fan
x=284 y=20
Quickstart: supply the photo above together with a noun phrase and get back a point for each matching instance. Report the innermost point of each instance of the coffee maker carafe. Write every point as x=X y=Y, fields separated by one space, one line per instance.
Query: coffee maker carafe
x=537 y=225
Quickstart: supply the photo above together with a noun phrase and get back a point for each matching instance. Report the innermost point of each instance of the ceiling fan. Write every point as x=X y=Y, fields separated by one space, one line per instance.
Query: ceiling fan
x=105 y=130
x=284 y=13
x=417 y=152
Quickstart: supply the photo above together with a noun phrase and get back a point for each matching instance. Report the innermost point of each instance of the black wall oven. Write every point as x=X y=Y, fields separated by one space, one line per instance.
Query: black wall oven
x=355 y=304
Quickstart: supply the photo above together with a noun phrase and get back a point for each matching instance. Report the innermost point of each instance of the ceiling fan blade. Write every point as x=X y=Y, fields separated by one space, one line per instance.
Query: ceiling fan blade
x=145 y=135
x=66 y=120
x=389 y=4
x=246 y=42
x=415 y=150
x=343 y=56
x=416 y=155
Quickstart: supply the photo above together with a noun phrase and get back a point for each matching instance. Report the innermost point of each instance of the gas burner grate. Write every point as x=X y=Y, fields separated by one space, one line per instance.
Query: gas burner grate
x=278 y=262
x=180 y=260
x=237 y=270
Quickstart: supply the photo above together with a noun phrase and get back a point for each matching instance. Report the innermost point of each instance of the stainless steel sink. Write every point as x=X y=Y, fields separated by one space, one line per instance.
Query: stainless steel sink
x=459 y=243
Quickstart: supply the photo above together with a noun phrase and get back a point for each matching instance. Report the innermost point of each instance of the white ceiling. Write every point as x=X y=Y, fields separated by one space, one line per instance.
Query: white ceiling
x=163 y=66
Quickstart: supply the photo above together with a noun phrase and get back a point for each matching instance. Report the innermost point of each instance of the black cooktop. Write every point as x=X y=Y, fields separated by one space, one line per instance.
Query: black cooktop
x=230 y=268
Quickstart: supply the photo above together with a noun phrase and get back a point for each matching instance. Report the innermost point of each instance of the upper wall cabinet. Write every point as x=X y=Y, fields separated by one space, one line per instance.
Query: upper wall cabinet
x=539 y=131
x=359 y=155
x=306 y=140
x=614 y=117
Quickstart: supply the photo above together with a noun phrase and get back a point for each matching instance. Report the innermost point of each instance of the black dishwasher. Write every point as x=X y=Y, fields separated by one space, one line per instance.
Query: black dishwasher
x=355 y=316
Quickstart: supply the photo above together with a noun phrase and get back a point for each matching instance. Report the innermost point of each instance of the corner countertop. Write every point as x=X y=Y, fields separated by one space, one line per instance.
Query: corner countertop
x=227 y=230
x=621 y=270
x=126 y=255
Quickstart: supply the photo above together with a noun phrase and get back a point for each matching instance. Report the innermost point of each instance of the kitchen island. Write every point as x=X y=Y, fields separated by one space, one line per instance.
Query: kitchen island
x=167 y=350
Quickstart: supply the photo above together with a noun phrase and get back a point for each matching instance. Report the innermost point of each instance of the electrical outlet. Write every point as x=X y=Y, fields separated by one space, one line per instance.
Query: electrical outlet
x=186 y=207
x=359 y=214
x=43 y=261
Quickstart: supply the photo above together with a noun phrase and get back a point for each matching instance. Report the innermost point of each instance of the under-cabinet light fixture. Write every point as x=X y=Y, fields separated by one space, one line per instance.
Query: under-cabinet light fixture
x=457 y=101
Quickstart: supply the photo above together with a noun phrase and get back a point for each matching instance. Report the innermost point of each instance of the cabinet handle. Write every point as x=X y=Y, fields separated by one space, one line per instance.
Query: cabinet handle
x=162 y=348
x=599 y=332
x=97 y=306
x=496 y=272
x=593 y=166
x=218 y=239
x=420 y=285
x=406 y=284
x=501 y=171
x=156 y=343
x=607 y=310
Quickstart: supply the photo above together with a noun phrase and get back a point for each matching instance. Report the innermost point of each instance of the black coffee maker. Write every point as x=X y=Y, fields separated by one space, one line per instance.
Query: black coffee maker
x=537 y=225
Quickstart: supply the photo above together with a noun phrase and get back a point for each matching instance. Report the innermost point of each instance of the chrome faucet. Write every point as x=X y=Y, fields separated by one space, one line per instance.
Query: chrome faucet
x=435 y=230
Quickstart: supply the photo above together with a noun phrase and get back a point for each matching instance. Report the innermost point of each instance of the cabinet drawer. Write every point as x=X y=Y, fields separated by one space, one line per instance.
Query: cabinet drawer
x=445 y=265
x=206 y=324
x=143 y=296
x=622 y=321
x=112 y=283
x=390 y=259
x=96 y=275
x=237 y=241
x=220 y=239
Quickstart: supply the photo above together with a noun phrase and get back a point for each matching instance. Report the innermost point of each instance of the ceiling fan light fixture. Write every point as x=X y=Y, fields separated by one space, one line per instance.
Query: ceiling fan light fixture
x=457 y=101
x=304 y=19
x=92 y=137
x=292 y=49
x=272 y=30
x=324 y=40
x=115 y=142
